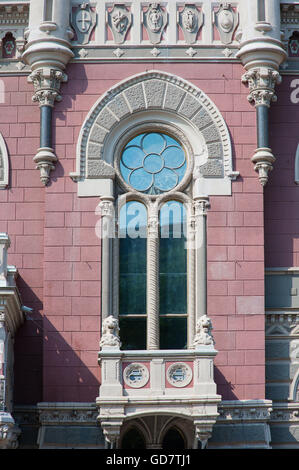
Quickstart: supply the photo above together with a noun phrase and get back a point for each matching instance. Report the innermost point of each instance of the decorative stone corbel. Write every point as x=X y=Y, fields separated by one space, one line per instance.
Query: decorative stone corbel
x=46 y=82
x=111 y=430
x=261 y=82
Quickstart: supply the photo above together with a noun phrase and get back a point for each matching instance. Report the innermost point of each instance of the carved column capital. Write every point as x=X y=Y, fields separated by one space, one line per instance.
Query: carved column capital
x=201 y=205
x=261 y=82
x=47 y=82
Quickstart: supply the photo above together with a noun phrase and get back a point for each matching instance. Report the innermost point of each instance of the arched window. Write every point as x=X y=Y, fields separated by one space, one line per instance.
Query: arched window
x=152 y=243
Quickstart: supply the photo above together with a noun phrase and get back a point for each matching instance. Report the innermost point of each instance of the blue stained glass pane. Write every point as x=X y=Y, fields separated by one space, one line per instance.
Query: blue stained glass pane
x=132 y=157
x=156 y=161
x=174 y=157
x=153 y=142
x=166 y=179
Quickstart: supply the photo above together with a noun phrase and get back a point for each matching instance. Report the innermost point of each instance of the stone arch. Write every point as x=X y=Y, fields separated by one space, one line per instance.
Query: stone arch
x=4 y=165
x=162 y=96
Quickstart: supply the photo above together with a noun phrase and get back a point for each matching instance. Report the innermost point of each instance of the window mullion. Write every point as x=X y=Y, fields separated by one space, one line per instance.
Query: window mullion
x=152 y=288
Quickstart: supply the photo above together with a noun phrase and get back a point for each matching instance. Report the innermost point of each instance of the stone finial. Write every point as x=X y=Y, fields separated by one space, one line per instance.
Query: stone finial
x=110 y=333
x=203 y=334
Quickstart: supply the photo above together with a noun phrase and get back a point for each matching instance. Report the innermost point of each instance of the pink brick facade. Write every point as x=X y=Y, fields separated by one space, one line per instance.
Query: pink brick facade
x=58 y=254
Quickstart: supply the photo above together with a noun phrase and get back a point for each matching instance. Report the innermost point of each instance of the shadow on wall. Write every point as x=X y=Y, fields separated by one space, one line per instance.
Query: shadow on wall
x=224 y=388
x=47 y=366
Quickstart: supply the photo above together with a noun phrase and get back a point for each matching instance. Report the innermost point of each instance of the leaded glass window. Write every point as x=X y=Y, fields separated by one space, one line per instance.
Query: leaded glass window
x=152 y=245
x=153 y=163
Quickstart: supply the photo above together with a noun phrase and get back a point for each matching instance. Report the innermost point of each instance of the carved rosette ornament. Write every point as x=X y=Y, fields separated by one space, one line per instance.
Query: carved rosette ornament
x=203 y=334
x=190 y=21
x=226 y=20
x=110 y=333
x=119 y=21
x=155 y=21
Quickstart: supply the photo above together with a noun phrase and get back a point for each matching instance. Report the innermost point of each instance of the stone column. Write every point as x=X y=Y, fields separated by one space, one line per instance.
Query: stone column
x=152 y=283
x=200 y=208
x=261 y=82
x=107 y=235
x=47 y=52
x=261 y=52
x=46 y=83
x=4 y=245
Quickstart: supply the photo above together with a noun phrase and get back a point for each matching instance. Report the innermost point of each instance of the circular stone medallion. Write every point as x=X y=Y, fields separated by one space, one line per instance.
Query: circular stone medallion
x=179 y=374
x=136 y=375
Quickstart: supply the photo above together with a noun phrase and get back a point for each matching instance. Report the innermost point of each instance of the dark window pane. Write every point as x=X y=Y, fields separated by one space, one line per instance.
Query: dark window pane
x=173 y=259
x=173 y=333
x=132 y=259
x=132 y=333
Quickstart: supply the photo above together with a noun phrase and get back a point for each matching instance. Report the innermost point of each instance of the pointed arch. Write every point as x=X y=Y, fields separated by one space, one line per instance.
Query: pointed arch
x=4 y=164
x=154 y=97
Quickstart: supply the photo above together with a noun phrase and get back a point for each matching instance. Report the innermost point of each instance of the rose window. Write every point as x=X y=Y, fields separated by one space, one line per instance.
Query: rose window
x=153 y=163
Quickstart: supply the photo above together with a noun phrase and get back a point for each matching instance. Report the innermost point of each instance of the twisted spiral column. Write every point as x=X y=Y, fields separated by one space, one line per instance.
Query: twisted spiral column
x=152 y=286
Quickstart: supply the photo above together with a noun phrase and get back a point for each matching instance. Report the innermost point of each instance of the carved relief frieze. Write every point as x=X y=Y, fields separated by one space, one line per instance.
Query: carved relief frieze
x=119 y=20
x=190 y=19
x=13 y=22
x=83 y=20
x=155 y=20
x=226 y=20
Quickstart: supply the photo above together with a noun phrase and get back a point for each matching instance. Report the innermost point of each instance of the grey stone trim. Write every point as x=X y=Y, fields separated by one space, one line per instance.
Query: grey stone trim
x=153 y=91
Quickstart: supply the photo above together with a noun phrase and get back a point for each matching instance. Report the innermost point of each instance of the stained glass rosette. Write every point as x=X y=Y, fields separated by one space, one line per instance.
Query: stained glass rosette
x=153 y=163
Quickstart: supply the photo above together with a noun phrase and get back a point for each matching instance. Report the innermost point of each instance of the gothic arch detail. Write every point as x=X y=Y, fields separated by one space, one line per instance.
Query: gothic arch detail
x=154 y=92
x=4 y=166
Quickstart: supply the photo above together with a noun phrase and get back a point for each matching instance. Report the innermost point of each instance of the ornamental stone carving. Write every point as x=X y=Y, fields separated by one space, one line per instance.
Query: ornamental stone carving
x=83 y=20
x=226 y=20
x=155 y=21
x=261 y=82
x=190 y=21
x=119 y=21
x=110 y=333
x=203 y=332
x=46 y=82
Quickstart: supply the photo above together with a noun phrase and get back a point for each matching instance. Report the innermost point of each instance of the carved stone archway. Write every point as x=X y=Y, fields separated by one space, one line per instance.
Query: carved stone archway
x=164 y=97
